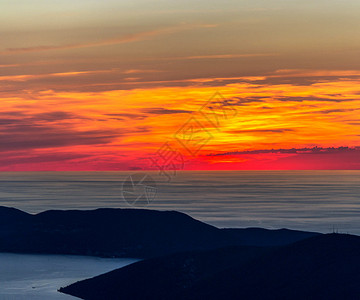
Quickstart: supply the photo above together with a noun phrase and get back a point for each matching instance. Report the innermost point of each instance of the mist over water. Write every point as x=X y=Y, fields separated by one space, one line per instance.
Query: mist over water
x=304 y=200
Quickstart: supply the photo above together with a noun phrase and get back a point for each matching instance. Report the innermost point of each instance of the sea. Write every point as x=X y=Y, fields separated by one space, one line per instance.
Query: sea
x=38 y=277
x=321 y=201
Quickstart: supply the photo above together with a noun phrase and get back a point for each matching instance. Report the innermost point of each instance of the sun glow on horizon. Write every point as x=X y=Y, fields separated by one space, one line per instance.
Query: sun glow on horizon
x=105 y=91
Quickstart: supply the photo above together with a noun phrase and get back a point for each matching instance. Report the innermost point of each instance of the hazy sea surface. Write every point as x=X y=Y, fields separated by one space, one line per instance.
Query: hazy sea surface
x=305 y=200
x=38 y=277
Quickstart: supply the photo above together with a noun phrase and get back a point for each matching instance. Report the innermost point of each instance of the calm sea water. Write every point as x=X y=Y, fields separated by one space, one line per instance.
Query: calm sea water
x=38 y=277
x=305 y=200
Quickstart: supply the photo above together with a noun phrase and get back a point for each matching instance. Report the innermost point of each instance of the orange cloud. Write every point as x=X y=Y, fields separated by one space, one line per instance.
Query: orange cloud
x=219 y=56
x=119 y=129
x=38 y=76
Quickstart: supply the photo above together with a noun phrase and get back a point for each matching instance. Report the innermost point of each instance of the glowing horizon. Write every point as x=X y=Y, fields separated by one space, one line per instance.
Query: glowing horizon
x=104 y=86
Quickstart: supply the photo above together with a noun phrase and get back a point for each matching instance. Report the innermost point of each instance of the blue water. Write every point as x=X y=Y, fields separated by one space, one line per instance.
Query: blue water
x=305 y=200
x=38 y=277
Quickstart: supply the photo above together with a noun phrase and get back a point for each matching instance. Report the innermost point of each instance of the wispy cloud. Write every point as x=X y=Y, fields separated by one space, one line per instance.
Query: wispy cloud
x=312 y=150
x=314 y=73
x=275 y=130
x=220 y=56
x=10 y=66
x=38 y=76
x=129 y=38
x=139 y=71
x=165 y=111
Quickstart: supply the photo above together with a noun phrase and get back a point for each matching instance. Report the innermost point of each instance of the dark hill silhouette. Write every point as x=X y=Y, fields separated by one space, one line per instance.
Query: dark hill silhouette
x=163 y=277
x=11 y=216
x=124 y=233
x=322 y=267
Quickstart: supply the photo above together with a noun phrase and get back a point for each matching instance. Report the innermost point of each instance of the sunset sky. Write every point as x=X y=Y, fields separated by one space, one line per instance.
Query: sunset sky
x=113 y=85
